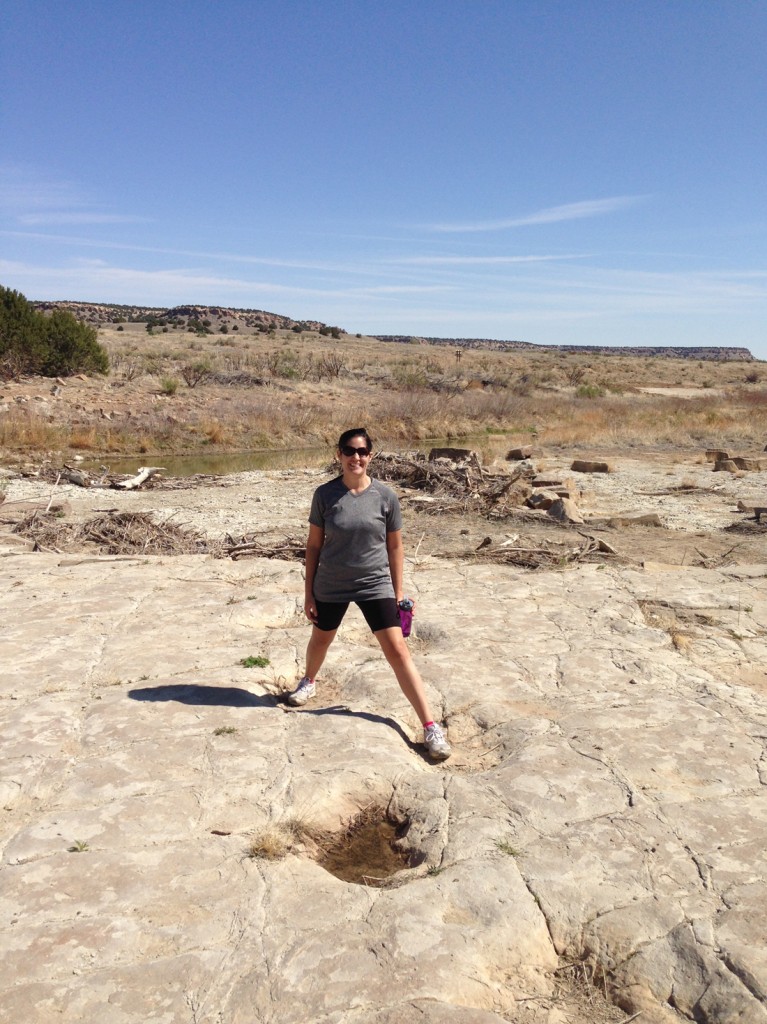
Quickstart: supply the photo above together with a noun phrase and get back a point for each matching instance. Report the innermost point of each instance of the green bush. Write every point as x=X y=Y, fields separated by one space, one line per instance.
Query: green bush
x=52 y=346
x=590 y=391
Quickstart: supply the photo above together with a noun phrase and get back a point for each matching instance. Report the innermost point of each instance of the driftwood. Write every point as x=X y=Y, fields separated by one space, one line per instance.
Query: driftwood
x=289 y=549
x=144 y=474
x=75 y=476
x=537 y=554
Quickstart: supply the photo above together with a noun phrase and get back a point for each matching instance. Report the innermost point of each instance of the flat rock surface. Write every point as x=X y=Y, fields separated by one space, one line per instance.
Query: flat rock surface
x=606 y=798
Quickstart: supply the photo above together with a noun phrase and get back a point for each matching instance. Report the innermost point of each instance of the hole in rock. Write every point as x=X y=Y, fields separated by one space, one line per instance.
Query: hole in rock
x=365 y=851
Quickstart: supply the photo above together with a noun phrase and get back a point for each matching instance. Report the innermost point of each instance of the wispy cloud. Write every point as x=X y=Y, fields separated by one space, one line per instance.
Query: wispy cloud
x=55 y=217
x=196 y=254
x=438 y=261
x=550 y=215
x=28 y=197
x=96 y=280
x=23 y=190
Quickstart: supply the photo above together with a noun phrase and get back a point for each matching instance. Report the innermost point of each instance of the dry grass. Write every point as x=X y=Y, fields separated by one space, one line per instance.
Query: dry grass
x=661 y=616
x=291 y=389
x=277 y=838
x=584 y=989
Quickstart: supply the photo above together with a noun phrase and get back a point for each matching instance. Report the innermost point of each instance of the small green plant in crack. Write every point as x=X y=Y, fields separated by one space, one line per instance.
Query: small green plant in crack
x=254 y=661
x=504 y=846
x=224 y=730
x=434 y=870
x=78 y=846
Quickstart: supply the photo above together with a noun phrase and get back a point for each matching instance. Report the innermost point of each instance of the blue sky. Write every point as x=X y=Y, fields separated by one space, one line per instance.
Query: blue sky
x=555 y=172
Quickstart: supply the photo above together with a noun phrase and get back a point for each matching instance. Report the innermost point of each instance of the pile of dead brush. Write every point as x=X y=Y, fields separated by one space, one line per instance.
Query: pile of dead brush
x=288 y=548
x=120 y=533
x=539 y=554
x=456 y=487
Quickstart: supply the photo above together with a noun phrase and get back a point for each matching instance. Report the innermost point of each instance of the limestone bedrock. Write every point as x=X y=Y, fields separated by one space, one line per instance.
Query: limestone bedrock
x=606 y=797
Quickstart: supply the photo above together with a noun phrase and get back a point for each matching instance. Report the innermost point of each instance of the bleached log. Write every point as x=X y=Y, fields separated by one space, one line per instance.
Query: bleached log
x=74 y=476
x=144 y=473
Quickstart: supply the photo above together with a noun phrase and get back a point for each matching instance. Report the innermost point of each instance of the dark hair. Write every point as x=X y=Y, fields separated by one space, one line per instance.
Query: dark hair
x=355 y=432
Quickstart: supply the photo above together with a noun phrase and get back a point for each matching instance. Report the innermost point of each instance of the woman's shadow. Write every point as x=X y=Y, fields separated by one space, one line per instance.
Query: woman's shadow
x=236 y=697
x=210 y=696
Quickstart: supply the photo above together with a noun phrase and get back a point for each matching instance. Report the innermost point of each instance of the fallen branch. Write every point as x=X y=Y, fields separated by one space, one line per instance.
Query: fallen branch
x=290 y=549
x=145 y=473
x=53 y=491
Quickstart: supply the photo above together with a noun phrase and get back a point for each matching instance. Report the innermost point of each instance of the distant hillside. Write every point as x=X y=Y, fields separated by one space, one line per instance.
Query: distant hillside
x=100 y=313
x=719 y=353
x=107 y=313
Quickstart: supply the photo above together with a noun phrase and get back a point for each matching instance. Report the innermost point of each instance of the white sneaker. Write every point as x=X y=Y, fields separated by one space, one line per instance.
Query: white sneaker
x=435 y=742
x=305 y=690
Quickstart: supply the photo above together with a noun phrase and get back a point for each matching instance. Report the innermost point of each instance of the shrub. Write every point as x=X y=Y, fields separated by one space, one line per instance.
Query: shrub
x=196 y=373
x=168 y=386
x=329 y=365
x=53 y=346
x=590 y=391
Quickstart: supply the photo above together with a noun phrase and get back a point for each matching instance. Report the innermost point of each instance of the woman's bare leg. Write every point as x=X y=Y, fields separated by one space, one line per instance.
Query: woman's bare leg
x=317 y=648
x=397 y=654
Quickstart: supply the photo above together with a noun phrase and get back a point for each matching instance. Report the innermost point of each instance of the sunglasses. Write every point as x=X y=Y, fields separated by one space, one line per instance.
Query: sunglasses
x=348 y=451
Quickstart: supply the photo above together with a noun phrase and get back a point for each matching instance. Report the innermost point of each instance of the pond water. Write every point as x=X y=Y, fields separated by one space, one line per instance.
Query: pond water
x=217 y=464
x=223 y=463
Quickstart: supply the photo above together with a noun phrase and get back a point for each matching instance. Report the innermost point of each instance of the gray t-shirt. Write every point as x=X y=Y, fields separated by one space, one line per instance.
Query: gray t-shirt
x=354 y=562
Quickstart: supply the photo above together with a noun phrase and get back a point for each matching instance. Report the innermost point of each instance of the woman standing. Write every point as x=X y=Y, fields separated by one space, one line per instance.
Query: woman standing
x=355 y=553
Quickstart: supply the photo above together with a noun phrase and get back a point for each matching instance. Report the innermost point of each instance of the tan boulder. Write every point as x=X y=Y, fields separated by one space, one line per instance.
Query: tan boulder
x=541 y=500
x=650 y=519
x=750 y=465
x=584 y=466
x=564 y=510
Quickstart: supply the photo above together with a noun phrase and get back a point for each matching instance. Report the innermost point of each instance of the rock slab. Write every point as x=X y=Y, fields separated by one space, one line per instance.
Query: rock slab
x=606 y=797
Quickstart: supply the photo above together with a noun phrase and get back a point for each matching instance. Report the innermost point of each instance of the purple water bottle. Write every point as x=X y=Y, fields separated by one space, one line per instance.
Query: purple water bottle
x=405 y=610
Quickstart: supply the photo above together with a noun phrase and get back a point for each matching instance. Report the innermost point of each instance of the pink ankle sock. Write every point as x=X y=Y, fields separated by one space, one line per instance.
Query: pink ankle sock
x=427 y=724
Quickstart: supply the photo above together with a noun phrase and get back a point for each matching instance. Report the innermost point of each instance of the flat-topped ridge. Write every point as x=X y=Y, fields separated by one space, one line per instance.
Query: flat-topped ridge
x=729 y=353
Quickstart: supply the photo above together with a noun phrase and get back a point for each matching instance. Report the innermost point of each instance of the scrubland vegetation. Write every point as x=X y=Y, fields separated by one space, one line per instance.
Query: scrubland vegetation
x=181 y=391
x=54 y=345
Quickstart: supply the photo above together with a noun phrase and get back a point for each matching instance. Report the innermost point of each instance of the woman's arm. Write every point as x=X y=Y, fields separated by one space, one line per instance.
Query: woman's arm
x=395 y=549
x=314 y=544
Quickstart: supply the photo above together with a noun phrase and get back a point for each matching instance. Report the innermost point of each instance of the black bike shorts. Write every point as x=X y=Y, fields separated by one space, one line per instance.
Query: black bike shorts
x=380 y=613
